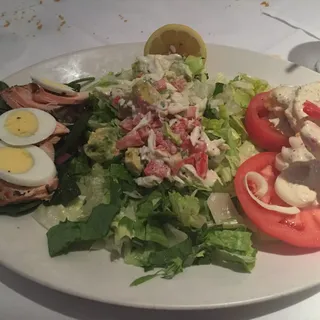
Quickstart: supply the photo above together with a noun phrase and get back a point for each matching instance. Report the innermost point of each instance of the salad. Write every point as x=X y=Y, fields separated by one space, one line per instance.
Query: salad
x=161 y=165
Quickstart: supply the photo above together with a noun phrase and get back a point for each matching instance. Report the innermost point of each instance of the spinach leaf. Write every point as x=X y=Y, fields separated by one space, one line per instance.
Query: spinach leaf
x=3 y=105
x=68 y=236
x=67 y=189
x=144 y=279
x=170 y=260
x=3 y=86
x=164 y=258
x=119 y=172
x=218 y=89
x=149 y=204
x=76 y=84
x=19 y=209
x=71 y=143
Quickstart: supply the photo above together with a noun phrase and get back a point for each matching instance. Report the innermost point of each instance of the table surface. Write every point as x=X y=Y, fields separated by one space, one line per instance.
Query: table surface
x=34 y=30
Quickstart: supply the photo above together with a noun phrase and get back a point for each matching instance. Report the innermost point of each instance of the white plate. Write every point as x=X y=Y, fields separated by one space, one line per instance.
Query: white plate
x=280 y=269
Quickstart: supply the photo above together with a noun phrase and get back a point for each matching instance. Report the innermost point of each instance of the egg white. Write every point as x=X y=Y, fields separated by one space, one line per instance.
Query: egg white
x=40 y=173
x=46 y=126
x=54 y=86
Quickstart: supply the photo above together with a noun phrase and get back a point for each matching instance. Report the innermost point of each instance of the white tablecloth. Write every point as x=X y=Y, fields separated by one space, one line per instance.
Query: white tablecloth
x=34 y=30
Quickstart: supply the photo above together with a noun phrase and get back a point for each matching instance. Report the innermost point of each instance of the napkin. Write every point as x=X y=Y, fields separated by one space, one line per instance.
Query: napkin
x=300 y=14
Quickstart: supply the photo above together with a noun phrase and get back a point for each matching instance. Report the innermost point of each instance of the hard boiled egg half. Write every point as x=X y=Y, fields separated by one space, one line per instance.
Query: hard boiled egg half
x=53 y=86
x=25 y=126
x=25 y=166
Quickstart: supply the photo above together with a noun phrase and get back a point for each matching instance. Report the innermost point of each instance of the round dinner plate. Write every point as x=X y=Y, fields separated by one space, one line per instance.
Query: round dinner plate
x=280 y=269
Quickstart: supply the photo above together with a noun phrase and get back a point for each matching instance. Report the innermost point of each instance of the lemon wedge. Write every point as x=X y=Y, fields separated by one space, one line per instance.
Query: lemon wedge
x=176 y=38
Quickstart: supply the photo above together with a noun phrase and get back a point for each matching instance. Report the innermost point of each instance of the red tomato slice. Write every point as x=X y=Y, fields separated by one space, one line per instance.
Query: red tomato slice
x=260 y=130
x=311 y=109
x=301 y=230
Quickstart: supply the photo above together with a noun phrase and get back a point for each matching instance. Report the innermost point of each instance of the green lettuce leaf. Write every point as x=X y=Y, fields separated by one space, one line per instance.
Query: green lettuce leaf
x=195 y=64
x=231 y=248
x=229 y=239
x=103 y=112
x=149 y=204
x=247 y=150
x=187 y=210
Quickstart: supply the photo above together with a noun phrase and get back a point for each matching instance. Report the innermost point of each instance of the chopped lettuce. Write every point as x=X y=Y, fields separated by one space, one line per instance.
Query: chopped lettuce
x=229 y=248
x=247 y=150
x=236 y=94
x=181 y=69
x=229 y=239
x=103 y=111
x=195 y=64
x=187 y=210
x=111 y=78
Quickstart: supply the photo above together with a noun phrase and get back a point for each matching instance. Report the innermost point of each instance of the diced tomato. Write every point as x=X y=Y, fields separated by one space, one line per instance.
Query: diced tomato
x=156 y=123
x=186 y=145
x=139 y=75
x=191 y=113
x=179 y=83
x=181 y=128
x=177 y=167
x=157 y=168
x=302 y=230
x=311 y=109
x=116 y=100
x=261 y=131
x=165 y=144
x=132 y=139
x=160 y=85
x=129 y=123
x=199 y=161
x=144 y=133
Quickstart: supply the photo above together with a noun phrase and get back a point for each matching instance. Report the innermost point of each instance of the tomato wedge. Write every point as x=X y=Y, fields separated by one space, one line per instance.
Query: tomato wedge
x=301 y=230
x=311 y=109
x=259 y=129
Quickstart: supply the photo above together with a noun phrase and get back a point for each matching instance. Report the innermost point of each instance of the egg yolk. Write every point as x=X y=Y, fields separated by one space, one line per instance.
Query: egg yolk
x=15 y=160
x=22 y=123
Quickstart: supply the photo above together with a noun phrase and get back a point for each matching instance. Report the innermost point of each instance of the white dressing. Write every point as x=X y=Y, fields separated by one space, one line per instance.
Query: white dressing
x=297 y=195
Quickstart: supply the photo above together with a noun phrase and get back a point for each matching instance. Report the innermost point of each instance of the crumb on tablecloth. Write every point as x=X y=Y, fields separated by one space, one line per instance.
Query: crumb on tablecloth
x=39 y=25
x=265 y=3
x=6 y=24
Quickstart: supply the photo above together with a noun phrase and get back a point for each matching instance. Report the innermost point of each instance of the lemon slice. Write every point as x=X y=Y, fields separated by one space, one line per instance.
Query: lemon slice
x=176 y=38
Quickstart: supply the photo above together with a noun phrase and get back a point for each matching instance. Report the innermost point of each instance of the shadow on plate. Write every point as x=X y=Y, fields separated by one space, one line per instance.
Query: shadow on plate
x=305 y=54
x=83 y=309
x=280 y=248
